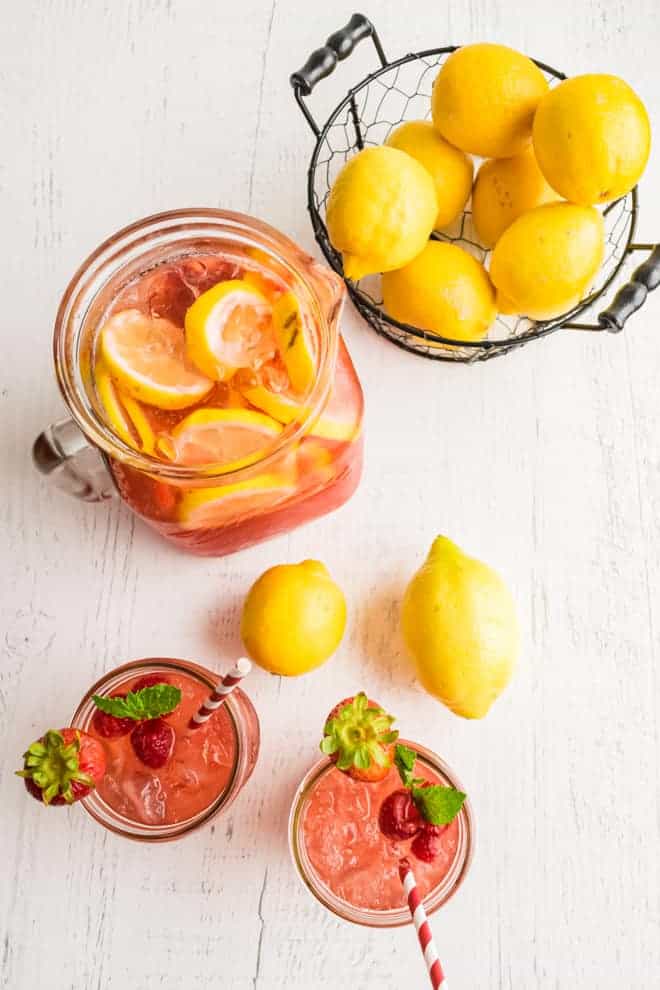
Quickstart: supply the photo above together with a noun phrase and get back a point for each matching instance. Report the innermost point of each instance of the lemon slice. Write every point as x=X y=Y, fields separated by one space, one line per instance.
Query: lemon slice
x=203 y=508
x=146 y=357
x=231 y=437
x=124 y=414
x=340 y=420
x=229 y=327
x=295 y=343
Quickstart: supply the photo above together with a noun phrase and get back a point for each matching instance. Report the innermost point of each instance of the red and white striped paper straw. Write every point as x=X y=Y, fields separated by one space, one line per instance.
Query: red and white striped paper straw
x=422 y=926
x=220 y=692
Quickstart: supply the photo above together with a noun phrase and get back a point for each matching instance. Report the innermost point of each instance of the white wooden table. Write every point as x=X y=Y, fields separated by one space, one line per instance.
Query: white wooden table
x=545 y=463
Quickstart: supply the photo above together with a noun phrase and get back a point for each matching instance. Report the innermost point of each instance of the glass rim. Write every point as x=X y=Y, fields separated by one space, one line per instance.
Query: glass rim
x=99 y=809
x=393 y=917
x=127 y=245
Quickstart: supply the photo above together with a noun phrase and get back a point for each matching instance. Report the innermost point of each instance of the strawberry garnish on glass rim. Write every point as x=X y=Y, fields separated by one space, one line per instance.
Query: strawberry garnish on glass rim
x=359 y=739
x=63 y=766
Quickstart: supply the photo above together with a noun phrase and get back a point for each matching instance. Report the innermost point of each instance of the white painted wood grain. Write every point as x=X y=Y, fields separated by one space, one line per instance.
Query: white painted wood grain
x=544 y=463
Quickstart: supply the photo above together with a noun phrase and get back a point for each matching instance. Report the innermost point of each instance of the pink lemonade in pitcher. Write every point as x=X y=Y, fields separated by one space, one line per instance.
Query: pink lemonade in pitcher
x=163 y=777
x=216 y=365
x=372 y=804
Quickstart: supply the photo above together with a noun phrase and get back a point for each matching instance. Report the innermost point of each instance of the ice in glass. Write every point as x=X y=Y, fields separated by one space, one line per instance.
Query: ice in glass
x=164 y=781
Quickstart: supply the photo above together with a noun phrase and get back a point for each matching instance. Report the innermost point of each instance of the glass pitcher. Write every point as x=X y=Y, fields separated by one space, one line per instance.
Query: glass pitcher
x=310 y=466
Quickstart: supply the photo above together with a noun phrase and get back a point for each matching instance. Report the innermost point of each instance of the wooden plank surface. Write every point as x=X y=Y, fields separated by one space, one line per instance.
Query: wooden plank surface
x=544 y=463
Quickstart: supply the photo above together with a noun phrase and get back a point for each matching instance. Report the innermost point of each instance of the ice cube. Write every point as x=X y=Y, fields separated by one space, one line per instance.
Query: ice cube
x=167 y=295
x=153 y=801
x=274 y=377
x=205 y=271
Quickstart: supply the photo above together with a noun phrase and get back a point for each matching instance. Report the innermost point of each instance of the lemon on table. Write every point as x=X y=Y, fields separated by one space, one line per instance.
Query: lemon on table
x=295 y=342
x=459 y=623
x=381 y=210
x=449 y=167
x=293 y=618
x=146 y=357
x=445 y=290
x=484 y=99
x=545 y=262
x=206 y=508
x=124 y=414
x=592 y=138
x=504 y=189
x=233 y=438
x=229 y=327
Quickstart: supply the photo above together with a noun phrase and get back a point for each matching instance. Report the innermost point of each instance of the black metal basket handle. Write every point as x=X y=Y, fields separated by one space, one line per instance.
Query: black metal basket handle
x=630 y=296
x=324 y=60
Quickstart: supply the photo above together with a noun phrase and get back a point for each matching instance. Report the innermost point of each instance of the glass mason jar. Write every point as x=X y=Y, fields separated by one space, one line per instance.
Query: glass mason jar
x=393 y=917
x=207 y=770
x=316 y=459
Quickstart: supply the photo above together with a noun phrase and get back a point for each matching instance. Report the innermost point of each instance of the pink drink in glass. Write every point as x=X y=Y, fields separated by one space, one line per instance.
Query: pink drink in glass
x=207 y=768
x=347 y=862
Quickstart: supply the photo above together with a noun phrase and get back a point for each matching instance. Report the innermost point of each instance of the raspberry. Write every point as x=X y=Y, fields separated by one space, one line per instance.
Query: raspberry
x=398 y=817
x=150 y=680
x=426 y=845
x=109 y=726
x=153 y=742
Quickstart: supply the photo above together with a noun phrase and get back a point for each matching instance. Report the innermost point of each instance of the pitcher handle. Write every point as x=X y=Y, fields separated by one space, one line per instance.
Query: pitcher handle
x=65 y=456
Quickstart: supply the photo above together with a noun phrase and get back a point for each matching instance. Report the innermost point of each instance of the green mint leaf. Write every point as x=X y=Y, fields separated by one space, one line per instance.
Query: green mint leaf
x=150 y=702
x=438 y=805
x=404 y=760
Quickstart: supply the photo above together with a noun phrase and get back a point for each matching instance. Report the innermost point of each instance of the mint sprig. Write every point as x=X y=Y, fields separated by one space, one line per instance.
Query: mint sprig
x=150 y=702
x=437 y=804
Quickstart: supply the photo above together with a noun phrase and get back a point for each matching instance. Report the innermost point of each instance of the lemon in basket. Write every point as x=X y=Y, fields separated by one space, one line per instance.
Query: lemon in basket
x=450 y=168
x=484 y=100
x=545 y=262
x=504 y=189
x=381 y=210
x=592 y=138
x=445 y=290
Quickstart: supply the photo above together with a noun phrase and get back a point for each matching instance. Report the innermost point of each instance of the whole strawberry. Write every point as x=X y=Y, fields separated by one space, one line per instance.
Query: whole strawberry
x=63 y=766
x=358 y=737
x=153 y=742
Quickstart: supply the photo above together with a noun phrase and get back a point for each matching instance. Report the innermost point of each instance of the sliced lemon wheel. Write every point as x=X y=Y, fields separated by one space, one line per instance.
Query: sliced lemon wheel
x=229 y=327
x=124 y=414
x=203 y=508
x=146 y=357
x=231 y=437
x=295 y=342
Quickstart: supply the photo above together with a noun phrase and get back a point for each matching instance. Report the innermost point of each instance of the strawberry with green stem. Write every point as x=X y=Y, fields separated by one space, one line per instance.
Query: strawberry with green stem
x=63 y=766
x=358 y=737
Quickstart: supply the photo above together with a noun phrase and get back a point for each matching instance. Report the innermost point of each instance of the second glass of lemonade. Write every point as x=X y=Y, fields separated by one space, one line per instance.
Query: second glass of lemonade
x=200 y=352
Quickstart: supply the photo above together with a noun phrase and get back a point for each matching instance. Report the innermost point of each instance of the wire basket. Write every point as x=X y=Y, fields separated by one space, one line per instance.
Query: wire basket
x=399 y=91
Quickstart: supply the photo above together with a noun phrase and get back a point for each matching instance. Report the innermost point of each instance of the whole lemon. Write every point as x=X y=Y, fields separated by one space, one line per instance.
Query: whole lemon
x=592 y=138
x=293 y=618
x=503 y=190
x=459 y=623
x=484 y=99
x=450 y=168
x=381 y=210
x=445 y=290
x=545 y=262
